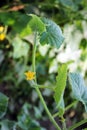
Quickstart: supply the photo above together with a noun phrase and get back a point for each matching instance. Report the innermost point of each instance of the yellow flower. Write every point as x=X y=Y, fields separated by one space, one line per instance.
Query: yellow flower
x=1 y=29
x=2 y=36
x=30 y=75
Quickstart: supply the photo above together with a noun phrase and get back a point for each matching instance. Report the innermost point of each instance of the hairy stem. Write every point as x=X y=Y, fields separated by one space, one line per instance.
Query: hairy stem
x=68 y=107
x=37 y=89
x=43 y=87
x=34 y=52
x=47 y=110
x=64 y=126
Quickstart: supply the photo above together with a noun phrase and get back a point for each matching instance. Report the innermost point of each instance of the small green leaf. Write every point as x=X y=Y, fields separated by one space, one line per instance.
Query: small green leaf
x=36 y=24
x=3 y=104
x=52 y=35
x=79 y=90
x=60 y=86
x=20 y=48
x=8 y=125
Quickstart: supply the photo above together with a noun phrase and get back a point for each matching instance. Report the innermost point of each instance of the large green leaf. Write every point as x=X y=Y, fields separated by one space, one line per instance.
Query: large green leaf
x=21 y=25
x=36 y=24
x=8 y=125
x=79 y=90
x=20 y=48
x=18 y=21
x=60 y=86
x=7 y=18
x=52 y=35
x=3 y=104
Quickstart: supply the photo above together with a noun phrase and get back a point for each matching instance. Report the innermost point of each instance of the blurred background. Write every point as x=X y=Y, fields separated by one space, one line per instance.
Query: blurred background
x=16 y=56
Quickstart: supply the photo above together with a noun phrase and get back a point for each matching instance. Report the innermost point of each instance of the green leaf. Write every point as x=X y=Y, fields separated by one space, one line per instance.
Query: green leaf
x=36 y=24
x=3 y=104
x=18 y=21
x=21 y=25
x=20 y=48
x=26 y=31
x=25 y=122
x=72 y=4
x=7 y=18
x=52 y=35
x=67 y=2
x=60 y=87
x=61 y=107
x=79 y=90
x=8 y=125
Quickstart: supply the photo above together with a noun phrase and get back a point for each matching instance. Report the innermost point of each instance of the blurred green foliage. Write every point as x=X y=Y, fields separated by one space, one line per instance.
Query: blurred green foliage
x=16 y=51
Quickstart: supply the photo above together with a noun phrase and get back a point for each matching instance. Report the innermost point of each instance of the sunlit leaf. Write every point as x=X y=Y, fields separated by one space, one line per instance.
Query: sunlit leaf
x=21 y=25
x=18 y=21
x=53 y=34
x=79 y=90
x=36 y=24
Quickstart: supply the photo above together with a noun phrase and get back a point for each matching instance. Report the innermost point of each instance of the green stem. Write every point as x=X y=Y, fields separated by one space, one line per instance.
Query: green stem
x=34 y=52
x=42 y=87
x=37 y=89
x=46 y=109
x=64 y=126
x=69 y=106
x=77 y=124
x=56 y=114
